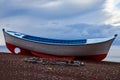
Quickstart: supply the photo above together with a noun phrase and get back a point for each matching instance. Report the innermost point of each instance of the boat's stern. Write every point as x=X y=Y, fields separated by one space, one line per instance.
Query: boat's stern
x=14 y=49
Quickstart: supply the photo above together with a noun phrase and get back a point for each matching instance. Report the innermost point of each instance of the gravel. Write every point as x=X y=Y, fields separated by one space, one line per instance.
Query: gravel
x=13 y=67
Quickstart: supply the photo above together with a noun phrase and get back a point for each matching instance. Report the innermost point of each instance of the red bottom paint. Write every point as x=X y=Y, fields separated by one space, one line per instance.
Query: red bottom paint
x=93 y=58
x=58 y=58
x=22 y=51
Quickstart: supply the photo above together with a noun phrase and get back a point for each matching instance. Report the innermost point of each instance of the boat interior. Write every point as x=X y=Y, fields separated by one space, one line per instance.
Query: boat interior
x=57 y=41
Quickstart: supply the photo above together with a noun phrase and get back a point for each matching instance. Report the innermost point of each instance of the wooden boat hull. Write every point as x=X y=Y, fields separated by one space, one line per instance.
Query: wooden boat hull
x=88 y=52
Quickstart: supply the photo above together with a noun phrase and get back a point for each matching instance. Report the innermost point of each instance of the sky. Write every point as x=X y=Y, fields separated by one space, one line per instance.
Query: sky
x=61 y=19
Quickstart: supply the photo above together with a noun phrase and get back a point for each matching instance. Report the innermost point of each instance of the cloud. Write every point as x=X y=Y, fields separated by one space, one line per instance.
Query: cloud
x=52 y=9
x=65 y=19
x=112 y=10
x=75 y=31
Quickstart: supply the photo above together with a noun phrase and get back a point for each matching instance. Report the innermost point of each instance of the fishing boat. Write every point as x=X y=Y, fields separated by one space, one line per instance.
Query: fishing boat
x=80 y=49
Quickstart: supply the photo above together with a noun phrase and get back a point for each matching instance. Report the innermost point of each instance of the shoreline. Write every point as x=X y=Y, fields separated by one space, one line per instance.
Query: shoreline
x=14 y=68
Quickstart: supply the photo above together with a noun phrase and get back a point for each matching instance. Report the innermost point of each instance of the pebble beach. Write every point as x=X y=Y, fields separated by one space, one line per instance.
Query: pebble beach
x=13 y=67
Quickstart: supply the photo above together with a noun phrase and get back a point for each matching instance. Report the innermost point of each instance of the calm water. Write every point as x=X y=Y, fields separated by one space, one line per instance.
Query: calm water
x=113 y=55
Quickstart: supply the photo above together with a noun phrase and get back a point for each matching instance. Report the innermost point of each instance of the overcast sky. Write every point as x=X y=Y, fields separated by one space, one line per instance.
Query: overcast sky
x=63 y=19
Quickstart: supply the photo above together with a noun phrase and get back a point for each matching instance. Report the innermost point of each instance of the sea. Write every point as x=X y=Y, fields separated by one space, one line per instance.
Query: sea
x=113 y=54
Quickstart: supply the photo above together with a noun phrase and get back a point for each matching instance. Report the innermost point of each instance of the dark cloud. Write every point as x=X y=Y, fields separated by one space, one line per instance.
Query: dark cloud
x=49 y=9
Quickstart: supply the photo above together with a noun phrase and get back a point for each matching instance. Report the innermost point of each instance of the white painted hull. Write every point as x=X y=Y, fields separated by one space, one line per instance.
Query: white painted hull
x=59 y=50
